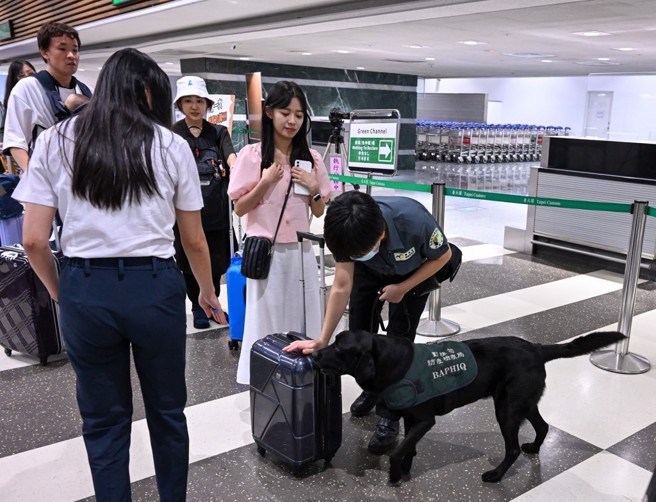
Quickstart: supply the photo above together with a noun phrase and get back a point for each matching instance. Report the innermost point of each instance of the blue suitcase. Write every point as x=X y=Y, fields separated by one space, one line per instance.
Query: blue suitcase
x=296 y=411
x=236 y=284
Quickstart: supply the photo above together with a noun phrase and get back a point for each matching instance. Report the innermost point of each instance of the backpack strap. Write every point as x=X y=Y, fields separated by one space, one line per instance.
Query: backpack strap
x=51 y=86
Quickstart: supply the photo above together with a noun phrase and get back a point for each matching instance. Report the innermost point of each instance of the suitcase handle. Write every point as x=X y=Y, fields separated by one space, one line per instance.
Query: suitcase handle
x=301 y=236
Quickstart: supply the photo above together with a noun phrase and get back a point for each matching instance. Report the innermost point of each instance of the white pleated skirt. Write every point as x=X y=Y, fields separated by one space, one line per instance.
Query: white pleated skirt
x=273 y=305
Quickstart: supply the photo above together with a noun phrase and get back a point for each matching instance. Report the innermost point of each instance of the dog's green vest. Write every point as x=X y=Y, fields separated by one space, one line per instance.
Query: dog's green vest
x=437 y=368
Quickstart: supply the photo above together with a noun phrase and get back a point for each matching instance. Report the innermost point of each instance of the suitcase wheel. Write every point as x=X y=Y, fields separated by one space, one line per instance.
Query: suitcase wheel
x=261 y=450
x=43 y=360
x=8 y=352
x=233 y=344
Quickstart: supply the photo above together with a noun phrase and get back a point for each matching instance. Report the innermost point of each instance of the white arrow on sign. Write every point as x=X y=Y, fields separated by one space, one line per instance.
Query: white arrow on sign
x=384 y=150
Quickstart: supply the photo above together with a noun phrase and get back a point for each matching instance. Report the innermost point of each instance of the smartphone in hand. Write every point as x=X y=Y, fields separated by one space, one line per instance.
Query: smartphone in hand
x=306 y=165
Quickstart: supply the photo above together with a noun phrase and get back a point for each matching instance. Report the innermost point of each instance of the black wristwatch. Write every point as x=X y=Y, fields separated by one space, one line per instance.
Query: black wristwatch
x=316 y=197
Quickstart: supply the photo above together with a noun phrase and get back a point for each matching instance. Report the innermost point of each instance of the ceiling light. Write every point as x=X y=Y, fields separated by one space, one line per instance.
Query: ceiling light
x=429 y=59
x=417 y=46
x=472 y=42
x=100 y=67
x=306 y=53
x=624 y=49
x=528 y=55
x=168 y=63
x=597 y=63
x=80 y=69
x=546 y=61
x=591 y=33
x=342 y=51
x=360 y=68
x=244 y=58
x=603 y=59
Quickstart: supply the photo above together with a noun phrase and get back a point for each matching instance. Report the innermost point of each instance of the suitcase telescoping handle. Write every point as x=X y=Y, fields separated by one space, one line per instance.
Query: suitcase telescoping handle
x=301 y=236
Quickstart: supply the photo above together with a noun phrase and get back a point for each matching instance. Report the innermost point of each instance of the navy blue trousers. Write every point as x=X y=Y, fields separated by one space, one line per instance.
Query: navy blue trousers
x=109 y=308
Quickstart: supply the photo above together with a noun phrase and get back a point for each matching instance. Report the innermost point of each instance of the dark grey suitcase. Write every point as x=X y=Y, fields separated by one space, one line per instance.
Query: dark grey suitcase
x=296 y=411
x=29 y=320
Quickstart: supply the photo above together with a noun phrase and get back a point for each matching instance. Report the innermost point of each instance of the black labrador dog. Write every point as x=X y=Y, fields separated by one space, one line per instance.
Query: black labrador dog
x=510 y=370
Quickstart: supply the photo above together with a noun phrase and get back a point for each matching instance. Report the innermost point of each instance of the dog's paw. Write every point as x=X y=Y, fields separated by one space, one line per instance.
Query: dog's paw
x=394 y=484
x=531 y=448
x=492 y=476
x=395 y=476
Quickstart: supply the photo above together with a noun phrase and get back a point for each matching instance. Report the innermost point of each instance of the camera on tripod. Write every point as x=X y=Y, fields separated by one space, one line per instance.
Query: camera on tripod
x=337 y=117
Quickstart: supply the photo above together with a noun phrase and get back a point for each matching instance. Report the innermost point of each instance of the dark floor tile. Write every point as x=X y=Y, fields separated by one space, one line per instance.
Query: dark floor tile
x=450 y=461
x=39 y=405
x=640 y=448
x=561 y=323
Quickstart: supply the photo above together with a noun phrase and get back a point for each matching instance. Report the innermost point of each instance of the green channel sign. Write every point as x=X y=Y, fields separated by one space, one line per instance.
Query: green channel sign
x=373 y=141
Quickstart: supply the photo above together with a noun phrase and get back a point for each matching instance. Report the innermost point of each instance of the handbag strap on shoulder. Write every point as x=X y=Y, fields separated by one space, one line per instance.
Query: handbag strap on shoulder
x=284 y=205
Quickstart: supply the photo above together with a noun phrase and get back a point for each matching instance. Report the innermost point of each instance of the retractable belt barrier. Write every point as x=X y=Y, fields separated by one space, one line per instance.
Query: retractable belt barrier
x=619 y=360
x=499 y=197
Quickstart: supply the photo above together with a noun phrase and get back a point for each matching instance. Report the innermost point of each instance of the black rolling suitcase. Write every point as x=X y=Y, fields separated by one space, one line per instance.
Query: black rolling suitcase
x=296 y=411
x=29 y=321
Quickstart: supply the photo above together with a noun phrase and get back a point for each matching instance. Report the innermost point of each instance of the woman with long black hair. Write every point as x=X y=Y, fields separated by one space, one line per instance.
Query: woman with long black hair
x=259 y=183
x=18 y=70
x=120 y=179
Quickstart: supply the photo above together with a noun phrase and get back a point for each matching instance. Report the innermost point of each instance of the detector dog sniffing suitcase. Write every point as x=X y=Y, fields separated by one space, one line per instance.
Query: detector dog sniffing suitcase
x=236 y=284
x=296 y=411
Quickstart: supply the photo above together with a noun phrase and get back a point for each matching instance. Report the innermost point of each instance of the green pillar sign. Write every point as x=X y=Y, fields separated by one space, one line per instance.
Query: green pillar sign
x=373 y=141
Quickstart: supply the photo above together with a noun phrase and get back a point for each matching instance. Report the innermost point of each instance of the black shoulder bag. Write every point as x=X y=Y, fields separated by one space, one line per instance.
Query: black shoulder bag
x=257 y=252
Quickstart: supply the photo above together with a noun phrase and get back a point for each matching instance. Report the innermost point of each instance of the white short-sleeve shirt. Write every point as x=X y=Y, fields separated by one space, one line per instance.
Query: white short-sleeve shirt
x=27 y=107
x=138 y=230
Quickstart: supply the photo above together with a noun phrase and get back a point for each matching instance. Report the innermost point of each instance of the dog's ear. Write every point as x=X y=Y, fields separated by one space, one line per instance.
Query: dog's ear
x=365 y=368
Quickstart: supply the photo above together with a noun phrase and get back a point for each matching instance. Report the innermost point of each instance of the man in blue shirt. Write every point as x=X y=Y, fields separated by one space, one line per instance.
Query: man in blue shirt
x=385 y=249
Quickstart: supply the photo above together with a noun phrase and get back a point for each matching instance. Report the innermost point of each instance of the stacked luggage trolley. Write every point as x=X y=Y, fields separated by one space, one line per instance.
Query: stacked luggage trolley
x=476 y=143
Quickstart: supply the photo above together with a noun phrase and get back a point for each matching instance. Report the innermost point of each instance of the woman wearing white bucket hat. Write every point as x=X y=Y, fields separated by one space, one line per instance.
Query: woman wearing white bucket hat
x=214 y=154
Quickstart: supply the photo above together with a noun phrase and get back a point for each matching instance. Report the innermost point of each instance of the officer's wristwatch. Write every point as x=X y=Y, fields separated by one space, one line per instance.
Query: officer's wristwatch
x=316 y=197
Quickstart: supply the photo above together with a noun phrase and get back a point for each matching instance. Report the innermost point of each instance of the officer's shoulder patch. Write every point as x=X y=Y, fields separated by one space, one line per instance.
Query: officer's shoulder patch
x=436 y=239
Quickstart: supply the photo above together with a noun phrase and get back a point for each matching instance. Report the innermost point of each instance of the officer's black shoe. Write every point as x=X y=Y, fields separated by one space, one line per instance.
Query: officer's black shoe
x=363 y=404
x=384 y=436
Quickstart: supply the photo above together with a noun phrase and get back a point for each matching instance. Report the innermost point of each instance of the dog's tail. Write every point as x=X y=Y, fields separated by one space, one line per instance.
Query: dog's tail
x=581 y=345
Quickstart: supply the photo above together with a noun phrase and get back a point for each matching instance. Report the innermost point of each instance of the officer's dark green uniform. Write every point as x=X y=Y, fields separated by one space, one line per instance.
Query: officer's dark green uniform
x=412 y=237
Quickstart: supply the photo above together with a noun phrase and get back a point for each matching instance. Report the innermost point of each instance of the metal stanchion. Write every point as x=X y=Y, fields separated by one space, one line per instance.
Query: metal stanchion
x=620 y=360
x=435 y=326
x=368 y=190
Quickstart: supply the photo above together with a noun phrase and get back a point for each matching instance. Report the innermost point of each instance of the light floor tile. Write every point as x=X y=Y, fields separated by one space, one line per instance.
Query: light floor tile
x=602 y=407
x=492 y=310
x=602 y=478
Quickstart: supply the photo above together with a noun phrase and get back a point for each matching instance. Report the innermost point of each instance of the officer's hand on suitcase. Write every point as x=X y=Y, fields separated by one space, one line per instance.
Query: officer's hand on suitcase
x=305 y=346
x=212 y=308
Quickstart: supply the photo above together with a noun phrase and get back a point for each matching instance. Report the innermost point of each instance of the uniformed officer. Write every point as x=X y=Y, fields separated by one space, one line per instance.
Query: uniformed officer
x=385 y=248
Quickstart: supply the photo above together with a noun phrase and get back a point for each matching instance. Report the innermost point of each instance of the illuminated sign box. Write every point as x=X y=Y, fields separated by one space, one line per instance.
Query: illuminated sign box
x=6 y=30
x=124 y=2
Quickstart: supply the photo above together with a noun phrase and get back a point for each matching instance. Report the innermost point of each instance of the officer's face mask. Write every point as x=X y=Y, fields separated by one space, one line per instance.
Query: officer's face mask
x=369 y=255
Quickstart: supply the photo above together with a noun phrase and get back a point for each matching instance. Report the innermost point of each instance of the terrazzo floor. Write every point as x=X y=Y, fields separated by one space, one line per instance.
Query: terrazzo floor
x=600 y=447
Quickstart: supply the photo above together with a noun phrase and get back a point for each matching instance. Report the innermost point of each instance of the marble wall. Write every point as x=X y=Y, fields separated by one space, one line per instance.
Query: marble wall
x=326 y=88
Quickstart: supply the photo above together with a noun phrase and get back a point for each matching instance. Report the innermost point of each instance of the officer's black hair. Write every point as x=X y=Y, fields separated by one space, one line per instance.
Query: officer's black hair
x=352 y=226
